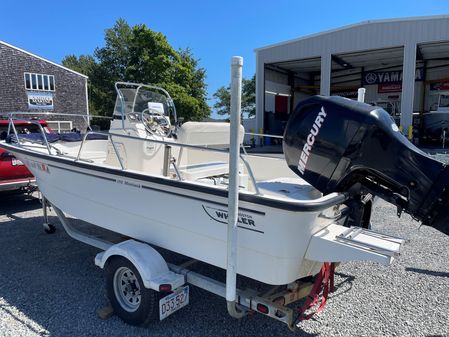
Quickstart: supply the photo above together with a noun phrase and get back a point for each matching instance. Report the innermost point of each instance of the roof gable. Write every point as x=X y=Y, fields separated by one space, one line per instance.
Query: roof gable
x=43 y=59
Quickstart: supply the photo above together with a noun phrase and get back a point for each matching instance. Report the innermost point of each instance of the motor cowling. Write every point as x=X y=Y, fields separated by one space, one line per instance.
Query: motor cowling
x=340 y=145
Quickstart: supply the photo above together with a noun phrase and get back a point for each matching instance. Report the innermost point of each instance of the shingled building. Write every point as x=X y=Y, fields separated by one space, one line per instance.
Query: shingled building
x=29 y=83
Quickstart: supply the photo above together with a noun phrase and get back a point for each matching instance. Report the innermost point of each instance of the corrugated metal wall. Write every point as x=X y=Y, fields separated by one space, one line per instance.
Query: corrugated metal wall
x=360 y=37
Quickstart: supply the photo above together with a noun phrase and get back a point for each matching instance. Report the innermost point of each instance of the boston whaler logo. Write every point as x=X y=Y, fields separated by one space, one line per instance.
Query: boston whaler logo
x=244 y=220
x=311 y=140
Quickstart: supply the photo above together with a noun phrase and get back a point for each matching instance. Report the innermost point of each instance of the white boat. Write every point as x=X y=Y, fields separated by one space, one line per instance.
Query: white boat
x=436 y=121
x=165 y=183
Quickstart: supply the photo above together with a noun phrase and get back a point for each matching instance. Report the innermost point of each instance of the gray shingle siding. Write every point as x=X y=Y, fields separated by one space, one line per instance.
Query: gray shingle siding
x=69 y=95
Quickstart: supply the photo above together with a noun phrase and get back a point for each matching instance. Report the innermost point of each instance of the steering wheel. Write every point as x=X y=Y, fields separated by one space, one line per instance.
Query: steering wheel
x=155 y=123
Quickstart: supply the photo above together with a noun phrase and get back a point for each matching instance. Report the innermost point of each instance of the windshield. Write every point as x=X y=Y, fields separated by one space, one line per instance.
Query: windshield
x=134 y=99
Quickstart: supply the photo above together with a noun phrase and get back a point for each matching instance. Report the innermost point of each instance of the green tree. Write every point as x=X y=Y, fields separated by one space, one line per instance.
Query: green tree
x=84 y=64
x=138 y=54
x=222 y=96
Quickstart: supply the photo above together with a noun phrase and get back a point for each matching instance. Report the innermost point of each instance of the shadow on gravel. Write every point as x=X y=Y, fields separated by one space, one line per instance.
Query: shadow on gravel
x=21 y=321
x=13 y=202
x=428 y=272
x=346 y=282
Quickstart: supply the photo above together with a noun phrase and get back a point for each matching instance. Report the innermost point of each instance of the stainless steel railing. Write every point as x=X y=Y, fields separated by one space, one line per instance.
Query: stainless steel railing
x=114 y=145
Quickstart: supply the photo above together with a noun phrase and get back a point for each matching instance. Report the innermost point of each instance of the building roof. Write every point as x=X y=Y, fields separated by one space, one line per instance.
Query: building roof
x=43 y=59
x=363 y=23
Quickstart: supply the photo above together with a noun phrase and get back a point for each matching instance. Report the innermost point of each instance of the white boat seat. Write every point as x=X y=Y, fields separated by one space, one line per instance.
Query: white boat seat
x=203 y=170
x=206 y=133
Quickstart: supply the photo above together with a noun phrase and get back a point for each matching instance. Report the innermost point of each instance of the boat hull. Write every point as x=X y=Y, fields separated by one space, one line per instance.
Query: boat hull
x=272 y=242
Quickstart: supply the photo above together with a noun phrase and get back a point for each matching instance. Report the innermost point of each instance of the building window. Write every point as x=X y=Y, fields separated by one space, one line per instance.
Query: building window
x=39 y=82
x=60 y=126
x=27 y=80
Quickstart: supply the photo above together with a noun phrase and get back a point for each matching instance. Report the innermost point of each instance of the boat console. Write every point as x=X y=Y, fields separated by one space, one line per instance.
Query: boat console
x=340 y=145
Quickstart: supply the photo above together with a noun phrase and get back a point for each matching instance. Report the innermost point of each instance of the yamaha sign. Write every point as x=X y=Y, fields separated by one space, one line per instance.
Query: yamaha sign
x=386 y=77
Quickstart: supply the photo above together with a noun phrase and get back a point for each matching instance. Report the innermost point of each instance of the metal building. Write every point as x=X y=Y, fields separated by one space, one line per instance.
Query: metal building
x=402 y=63
x=30 y=83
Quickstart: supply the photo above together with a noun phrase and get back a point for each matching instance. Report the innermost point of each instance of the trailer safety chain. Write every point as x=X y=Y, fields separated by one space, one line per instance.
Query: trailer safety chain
x=324 y=282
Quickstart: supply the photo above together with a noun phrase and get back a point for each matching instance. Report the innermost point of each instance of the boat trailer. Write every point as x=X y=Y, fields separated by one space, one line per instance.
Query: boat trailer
x=276 y=302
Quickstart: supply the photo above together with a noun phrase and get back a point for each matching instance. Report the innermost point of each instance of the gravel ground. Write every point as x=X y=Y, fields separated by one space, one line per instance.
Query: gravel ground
x=49 y=286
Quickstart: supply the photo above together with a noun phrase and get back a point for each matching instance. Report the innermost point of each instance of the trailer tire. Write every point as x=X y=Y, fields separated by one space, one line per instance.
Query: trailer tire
x=131 y=301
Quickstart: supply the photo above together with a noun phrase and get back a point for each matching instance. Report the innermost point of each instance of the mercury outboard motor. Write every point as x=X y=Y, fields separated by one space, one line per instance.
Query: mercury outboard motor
x=340 y=145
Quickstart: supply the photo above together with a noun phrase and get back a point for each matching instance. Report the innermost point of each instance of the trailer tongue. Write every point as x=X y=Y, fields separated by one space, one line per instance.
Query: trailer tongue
x=339 y=145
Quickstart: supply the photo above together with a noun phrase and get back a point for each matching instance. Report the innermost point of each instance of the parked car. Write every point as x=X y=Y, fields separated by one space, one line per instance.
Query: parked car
x=14 y=175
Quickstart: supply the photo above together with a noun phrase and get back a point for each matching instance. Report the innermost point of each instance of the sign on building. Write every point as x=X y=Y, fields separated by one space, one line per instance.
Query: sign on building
x=389 y=87
x=439 y=86
x=386 y=77
x=41 y=100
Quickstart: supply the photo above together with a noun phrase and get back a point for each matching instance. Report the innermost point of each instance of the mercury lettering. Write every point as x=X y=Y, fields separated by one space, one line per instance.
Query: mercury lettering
x=304 y=157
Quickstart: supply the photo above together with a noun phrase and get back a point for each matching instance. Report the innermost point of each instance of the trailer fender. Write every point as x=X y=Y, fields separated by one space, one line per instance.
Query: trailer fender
x=149 y=263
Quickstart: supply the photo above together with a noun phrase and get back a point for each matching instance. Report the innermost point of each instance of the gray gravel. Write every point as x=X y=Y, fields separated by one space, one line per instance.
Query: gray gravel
x=49 y=286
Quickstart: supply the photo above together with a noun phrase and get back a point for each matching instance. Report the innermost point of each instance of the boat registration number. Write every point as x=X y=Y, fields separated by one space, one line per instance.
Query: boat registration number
x=16 y=162
x=173 y=302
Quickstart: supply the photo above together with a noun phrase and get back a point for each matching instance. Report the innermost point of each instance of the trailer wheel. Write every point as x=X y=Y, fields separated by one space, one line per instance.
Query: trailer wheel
x=131 y=301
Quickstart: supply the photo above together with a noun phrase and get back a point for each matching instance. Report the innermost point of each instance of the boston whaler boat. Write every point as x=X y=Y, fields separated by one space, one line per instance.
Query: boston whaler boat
x=187 y=188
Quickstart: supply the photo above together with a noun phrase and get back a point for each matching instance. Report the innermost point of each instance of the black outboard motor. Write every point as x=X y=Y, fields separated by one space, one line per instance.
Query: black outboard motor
x=340 y=145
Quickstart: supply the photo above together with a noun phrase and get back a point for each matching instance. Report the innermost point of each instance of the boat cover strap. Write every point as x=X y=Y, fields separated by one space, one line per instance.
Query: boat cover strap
x=324 y=282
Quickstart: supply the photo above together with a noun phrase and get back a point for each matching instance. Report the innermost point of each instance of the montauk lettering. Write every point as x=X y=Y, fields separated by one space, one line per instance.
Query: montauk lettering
x=304 y=157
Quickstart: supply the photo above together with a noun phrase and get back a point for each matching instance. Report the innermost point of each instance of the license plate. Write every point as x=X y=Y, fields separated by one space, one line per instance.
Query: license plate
x=173 y=302
x=16 y=162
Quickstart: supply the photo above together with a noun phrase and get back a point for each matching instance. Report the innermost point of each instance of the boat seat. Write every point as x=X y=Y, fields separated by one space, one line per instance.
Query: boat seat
x=213 y=134
x=204 y=170
x=206 y=133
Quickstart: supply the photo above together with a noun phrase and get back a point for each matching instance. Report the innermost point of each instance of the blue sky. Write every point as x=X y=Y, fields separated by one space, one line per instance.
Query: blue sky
x=214 y=30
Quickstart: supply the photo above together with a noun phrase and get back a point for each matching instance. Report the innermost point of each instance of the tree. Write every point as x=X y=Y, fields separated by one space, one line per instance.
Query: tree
x=138 y=54
x=85 y=64
x=222 y=105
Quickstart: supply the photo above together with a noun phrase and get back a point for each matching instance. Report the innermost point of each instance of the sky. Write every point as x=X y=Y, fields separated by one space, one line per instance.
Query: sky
x=214 y=30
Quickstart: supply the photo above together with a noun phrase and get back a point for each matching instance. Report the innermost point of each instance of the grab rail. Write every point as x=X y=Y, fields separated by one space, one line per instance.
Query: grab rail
x=41 y=129
x=264 y=135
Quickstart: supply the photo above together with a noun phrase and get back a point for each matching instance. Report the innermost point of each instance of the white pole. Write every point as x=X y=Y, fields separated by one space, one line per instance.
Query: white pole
x=233 y=196
x=87 y=105
x=361 y=95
